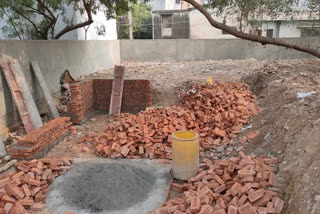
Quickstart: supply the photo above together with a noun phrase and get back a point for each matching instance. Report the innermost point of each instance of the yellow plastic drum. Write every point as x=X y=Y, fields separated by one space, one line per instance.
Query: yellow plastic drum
x=185 y=154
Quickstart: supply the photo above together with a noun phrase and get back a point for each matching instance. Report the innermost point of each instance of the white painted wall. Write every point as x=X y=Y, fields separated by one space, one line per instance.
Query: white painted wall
x=164 y=5
x=171 y=5
x=288 y=29
x=186 y=5
x=157 y=4
x=200 y=28
x=99 y=20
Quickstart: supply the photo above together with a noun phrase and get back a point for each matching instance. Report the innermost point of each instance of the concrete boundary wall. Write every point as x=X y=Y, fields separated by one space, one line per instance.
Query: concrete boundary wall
x=183 y=50
x=79 y=57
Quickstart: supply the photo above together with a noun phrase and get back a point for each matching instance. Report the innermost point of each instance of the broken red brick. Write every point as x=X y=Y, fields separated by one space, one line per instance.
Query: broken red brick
x=34 y=182
x=107 y=150
x=4 y=182
x=220 y=189
x=232 y=209
x=26 y=202
x=219 y=132
x=38 y=206
x=220 y=211
x=256 y=195
x=177 y=187
x=8 y=207
x=16 y=192
x=235 y=188
x=26 y=190
x=206 y=209
x=85 y=149
x=6 y=198
x=278 y=204
x=244 y=209
x=195 y=205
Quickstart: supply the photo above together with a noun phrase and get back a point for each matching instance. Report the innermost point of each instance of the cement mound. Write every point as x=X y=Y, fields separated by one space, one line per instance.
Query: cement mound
x=107 y=187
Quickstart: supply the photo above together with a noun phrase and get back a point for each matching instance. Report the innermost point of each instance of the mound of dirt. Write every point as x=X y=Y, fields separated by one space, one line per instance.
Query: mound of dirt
x=290 y=128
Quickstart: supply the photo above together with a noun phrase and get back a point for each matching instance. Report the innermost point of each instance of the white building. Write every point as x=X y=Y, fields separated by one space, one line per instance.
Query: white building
x=165 y=4
x=170 y=4
x=190 y=23
x=301 y=24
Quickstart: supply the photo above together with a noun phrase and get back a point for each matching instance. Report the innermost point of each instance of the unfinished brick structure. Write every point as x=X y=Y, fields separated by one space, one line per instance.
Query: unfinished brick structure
x=92 y=95
x=82 y=100
x=39 y=141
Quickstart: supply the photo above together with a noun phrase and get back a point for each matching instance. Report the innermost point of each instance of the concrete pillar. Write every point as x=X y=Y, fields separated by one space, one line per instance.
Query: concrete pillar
x=3 y=151
x=277 y=29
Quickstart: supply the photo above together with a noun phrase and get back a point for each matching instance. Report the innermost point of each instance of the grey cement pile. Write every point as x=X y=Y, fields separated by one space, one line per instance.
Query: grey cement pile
x=101 y=187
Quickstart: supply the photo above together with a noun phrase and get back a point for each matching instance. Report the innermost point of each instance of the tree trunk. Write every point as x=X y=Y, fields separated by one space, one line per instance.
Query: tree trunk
x=130 y=23
x=86 y=32
x=254 y=38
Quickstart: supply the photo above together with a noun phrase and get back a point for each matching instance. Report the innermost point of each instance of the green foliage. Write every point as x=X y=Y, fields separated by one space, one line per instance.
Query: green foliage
x=141 y=22
x=36 y=19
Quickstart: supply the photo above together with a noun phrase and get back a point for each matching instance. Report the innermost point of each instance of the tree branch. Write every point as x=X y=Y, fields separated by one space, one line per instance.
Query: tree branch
x=88 y=8
x=33 y=24
x=254 y=38
x=39 y=12
x=47 y=9
x=14 y=27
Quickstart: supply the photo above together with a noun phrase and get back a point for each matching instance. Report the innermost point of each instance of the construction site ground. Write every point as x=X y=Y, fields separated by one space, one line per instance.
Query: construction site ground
x=289 y=125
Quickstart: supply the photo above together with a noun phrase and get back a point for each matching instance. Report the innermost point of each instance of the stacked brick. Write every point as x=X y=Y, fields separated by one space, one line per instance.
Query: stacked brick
x=235 y=186
x=102 y=94
x=34 y=143
x=136 y=96
x=217 y=112
x=25 y=189
x=81 y=105
x=90 y=95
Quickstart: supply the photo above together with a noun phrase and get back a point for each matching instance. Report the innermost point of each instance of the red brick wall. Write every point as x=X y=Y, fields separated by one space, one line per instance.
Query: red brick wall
x=40 y=139
x=102 y=94
x=82 y=100
x=136 y=97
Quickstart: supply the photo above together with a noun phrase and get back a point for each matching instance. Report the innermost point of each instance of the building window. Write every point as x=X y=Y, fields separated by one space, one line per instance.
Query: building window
x=309 y=32
x=270 y=33
x=226 y=33
x=166 y=21
x=178 y=1
x=259 y=32
x=255 y=32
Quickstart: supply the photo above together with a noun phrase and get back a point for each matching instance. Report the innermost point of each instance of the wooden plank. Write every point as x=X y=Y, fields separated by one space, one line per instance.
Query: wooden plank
x=117 y=90
x=17 y=96
x=27 y=96
x=36 y=69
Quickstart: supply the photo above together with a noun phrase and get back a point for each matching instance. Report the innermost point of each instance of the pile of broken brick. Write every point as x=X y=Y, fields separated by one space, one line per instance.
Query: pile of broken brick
x=25 y=189
x=235 y=186
x=217 y=112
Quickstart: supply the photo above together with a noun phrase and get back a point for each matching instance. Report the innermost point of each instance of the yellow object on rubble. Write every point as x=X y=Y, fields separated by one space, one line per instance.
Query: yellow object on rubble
x=209 y=81
x=185 y=154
